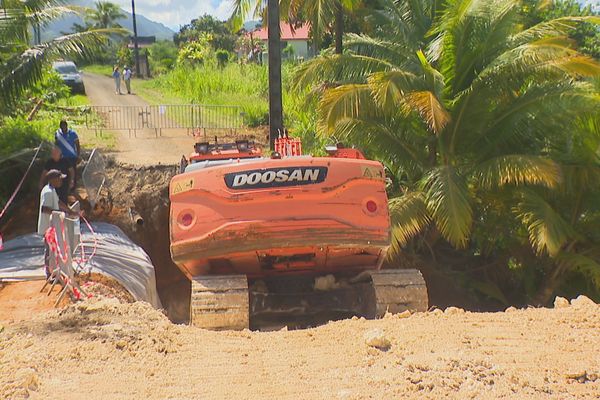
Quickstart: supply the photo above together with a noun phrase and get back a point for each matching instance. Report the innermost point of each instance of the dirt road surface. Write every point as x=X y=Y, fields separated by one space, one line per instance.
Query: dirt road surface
x=145 y=148
x=101 y=349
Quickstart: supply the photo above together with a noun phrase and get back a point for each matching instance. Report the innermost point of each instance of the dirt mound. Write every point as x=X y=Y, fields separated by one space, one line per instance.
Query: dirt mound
x=20 y=300
x=108 y=350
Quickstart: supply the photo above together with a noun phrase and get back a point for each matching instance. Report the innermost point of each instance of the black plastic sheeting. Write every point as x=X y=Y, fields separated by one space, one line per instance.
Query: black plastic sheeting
x=116 y=256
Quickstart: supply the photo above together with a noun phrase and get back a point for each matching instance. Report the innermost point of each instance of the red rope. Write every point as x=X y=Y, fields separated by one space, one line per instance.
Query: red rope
x=12 y=197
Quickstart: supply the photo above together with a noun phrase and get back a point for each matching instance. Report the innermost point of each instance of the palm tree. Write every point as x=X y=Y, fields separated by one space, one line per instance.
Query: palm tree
x=104 y=15
x=462 y=103
x=21 y=65
x=320 y=14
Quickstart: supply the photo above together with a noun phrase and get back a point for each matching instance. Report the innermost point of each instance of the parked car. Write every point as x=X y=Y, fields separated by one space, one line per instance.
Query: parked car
x=70 y=75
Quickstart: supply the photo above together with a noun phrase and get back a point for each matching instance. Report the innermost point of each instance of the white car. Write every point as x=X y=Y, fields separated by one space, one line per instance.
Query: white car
x=70 y=75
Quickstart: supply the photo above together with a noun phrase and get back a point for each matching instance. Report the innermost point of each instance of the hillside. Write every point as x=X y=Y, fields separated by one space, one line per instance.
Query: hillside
x=145 y=26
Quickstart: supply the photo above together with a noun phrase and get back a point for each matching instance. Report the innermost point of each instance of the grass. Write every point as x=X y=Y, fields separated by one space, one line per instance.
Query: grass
x=89 y=139
x=99 y=69
x=76 y=100
x=239 y=85
x=76 y=118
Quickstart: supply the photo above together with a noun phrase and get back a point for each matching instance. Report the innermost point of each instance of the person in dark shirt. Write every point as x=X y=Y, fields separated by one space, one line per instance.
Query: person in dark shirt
x=61 y=164
x=68 y=141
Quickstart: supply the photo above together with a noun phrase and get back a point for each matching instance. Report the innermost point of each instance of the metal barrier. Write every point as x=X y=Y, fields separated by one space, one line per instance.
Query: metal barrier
x=159 y=117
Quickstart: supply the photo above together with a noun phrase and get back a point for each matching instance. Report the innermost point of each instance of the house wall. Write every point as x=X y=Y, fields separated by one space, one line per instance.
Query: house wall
x=301 y=48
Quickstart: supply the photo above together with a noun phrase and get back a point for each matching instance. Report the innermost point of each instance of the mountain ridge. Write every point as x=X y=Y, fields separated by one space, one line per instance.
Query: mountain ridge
x=145 y=26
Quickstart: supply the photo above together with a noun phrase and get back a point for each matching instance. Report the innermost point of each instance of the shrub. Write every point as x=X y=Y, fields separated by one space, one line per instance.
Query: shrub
x=17 y=135
x=222 y=57
x=196 y=52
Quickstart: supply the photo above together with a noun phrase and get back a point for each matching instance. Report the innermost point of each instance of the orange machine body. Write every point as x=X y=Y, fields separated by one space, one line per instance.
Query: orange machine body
x=266 y=217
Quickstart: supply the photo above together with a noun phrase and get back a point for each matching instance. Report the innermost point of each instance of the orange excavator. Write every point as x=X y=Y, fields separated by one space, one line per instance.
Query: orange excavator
x=289 y=235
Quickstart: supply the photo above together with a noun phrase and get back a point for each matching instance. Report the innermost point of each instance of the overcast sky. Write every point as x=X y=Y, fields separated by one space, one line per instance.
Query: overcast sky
x=174 y=13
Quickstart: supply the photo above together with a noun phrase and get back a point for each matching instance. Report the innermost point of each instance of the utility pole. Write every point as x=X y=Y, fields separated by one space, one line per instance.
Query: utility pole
x=136 y=51
x=275 y=102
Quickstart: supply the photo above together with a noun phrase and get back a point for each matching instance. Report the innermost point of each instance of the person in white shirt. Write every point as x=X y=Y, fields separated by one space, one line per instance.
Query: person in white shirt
x=49 y=202
x=127 y=78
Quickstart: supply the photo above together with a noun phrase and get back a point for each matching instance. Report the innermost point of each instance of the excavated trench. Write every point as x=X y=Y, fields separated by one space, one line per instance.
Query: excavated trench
x=140 y=207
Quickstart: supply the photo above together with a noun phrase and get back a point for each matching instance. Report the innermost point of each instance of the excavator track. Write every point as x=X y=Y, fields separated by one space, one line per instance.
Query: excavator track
x=398 y=290
x=220 y=302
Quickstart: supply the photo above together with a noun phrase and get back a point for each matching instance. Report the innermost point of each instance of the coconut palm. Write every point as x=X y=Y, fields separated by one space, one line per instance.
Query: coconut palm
x=104 y=15
x=462 y=103
x=21 y=65
x=319 y=13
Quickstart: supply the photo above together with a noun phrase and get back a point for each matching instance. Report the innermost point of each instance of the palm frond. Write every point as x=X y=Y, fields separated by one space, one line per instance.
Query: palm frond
x=338 y=68
x=27 y=67
x=581 y=263
x=409 y=216
x=395 y=141
x=448 y=203
x=556 y=27
x=517 y=170
x=390 y=87
x=346 y=101
x=547 y=230
x=429 y=108
x=393 y=52
x=241 y=10
x=552 y=55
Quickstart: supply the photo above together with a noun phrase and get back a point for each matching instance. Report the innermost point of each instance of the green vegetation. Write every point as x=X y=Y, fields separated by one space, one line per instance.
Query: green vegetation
x=162 y=55
x=99 y=69
x=489 y=130
x=221 y=36
x=22 y=66
x=244 y=85
x=29 y=89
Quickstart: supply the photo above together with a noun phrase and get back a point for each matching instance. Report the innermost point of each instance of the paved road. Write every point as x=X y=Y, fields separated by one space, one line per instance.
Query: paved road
x=145 y=148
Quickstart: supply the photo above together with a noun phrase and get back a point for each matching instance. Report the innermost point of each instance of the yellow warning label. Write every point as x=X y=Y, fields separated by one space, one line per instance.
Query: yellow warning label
x=372 y=172
x=183 y=186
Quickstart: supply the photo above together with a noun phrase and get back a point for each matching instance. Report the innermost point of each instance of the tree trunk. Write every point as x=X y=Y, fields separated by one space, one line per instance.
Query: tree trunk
x=275 y=101
x=339 y=28
x=548 y=288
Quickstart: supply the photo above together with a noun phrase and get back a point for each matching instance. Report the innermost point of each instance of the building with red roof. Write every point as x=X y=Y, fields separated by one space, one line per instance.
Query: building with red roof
x=296 y=37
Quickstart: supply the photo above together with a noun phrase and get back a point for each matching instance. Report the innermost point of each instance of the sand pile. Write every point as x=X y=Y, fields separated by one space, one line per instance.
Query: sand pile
x=104 y=349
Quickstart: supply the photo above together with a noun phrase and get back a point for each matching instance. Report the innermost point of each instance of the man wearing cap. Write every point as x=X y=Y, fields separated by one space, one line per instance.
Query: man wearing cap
x=57 y=162
x=68 y=141
x=50 y=202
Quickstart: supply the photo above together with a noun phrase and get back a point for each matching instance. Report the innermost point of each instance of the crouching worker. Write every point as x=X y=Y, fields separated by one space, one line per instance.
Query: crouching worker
x=50 y=202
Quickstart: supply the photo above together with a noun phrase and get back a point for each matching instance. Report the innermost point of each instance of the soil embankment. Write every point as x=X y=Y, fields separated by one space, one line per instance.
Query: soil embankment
x=106 y=350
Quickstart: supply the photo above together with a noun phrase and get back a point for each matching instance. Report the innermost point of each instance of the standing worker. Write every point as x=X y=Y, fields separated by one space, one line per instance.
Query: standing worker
x=117 y=77
x=57 y=162
x=68 y=141
x=50 y=202
x=127 y=78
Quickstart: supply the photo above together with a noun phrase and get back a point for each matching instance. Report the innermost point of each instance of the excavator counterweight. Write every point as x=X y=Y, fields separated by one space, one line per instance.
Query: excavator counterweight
x=259 y=236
